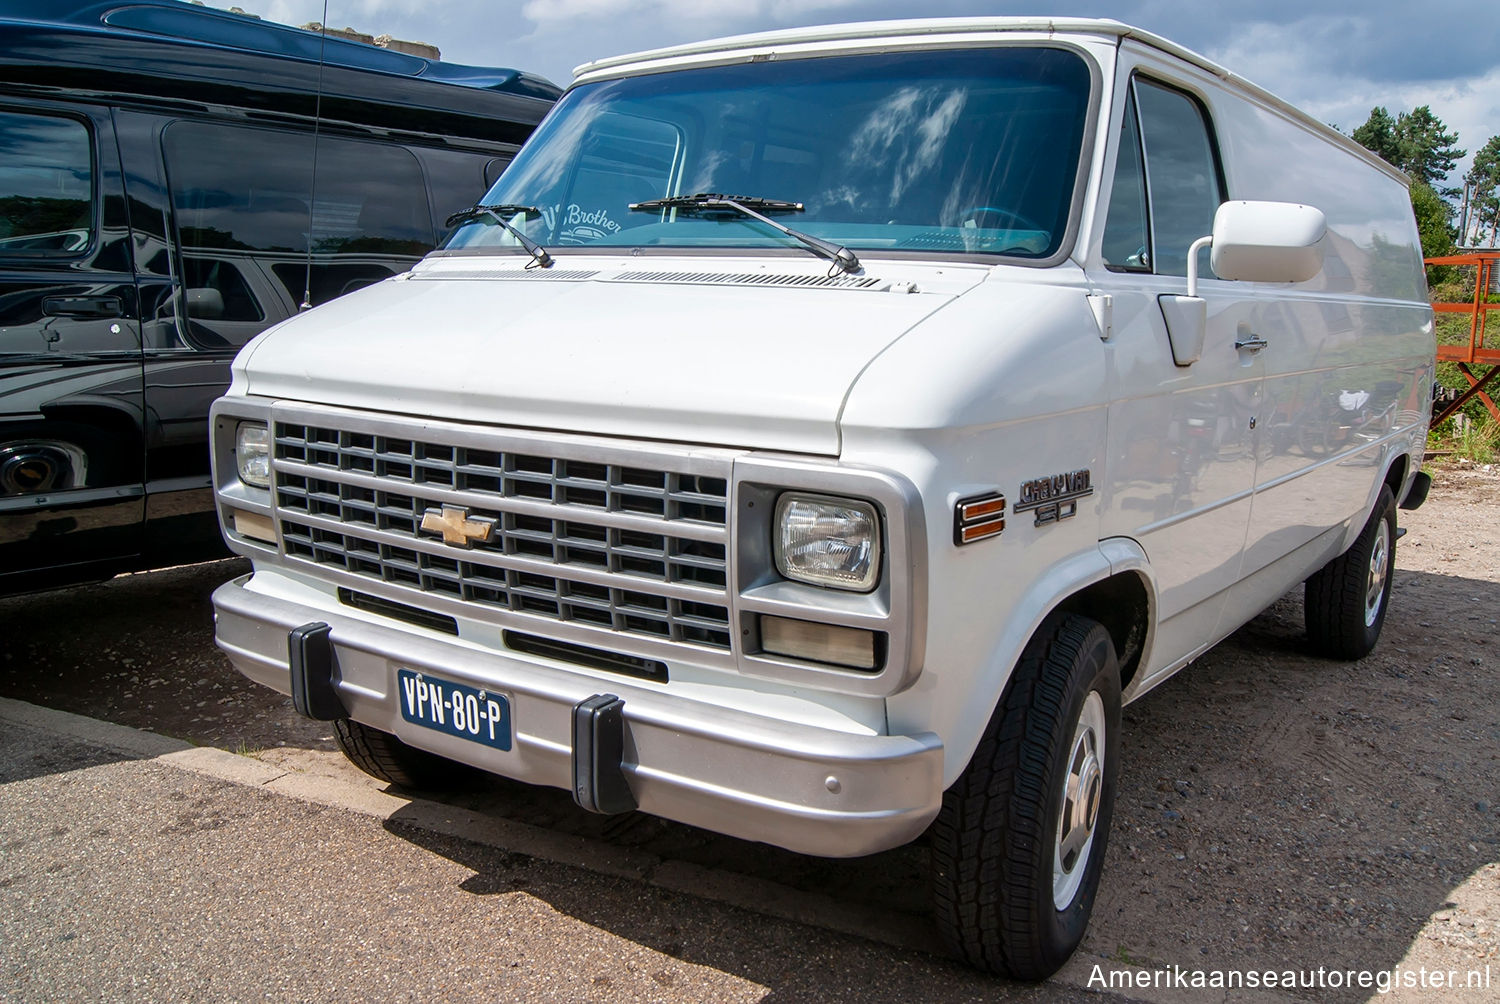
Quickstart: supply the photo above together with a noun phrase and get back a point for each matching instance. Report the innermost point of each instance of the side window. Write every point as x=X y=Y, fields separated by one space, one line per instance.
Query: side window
x=493 y=170
x=246 y=213
x=1127 y=235
x=1167 y=185
x=1182 y=174
x=46 y=186
x=456 y=179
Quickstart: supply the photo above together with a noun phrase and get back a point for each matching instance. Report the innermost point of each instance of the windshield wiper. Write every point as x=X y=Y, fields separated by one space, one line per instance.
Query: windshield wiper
x=701 y=202
x=539 y=256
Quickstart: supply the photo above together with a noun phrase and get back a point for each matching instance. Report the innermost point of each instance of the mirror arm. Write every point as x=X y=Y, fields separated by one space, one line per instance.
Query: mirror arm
x=1193 y=249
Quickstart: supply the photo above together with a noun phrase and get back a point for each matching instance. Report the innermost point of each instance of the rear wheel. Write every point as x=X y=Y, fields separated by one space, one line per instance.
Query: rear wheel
x=383 y=756
x=1019 y=842
x=1345 y=601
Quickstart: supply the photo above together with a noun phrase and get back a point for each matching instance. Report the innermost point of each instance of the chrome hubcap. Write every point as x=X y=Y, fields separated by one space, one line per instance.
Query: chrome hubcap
x=1083 y=787
x=1380 y=567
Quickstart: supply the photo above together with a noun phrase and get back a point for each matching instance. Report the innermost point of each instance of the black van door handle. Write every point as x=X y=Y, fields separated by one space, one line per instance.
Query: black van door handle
x=81 y=306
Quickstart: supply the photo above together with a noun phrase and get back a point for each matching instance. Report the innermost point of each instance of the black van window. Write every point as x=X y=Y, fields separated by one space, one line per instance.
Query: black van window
x=371 y=198
x=493 y=170
x=46 y=186
x=242 y=200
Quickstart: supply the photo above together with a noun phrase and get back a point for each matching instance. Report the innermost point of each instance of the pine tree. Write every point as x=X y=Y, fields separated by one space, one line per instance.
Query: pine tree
x=1483 y=181
x=1425 y=149
x=1379 y=135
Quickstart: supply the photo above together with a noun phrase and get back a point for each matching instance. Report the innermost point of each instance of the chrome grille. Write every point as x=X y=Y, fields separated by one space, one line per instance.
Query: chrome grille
x=635 y=549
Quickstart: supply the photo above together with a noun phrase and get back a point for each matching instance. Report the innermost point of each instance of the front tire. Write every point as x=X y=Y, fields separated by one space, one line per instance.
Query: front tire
x=383 y=756
x=1345 y=601
x=1018 y=845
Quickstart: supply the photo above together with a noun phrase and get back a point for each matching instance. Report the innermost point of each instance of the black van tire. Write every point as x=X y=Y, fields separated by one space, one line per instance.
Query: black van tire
x=1345 y=601
x=995 y=843
x=383 y=756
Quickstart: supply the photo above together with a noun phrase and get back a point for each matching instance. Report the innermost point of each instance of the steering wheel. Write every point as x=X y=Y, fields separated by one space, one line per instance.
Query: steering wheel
x=1026 y=222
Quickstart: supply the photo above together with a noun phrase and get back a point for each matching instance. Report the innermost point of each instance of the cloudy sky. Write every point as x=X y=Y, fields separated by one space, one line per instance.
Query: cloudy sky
x=1335 y=58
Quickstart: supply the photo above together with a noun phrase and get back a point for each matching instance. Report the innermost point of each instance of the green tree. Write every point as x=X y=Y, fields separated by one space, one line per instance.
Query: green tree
x=1379 y=135
x=1425 y=149
x=1434 y=228
x=1416 y=141
x=1483 y=206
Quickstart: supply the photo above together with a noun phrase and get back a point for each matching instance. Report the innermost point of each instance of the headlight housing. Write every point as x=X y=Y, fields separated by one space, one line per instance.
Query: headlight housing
x=828 y=541
x=252 y=453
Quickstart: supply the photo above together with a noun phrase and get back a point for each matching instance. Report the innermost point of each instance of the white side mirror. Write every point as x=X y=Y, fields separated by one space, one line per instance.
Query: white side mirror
x=1268 y=241
x=1253 y=241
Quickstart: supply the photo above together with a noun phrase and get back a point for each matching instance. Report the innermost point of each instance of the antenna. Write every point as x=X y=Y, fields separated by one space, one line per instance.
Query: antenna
x=312 y=201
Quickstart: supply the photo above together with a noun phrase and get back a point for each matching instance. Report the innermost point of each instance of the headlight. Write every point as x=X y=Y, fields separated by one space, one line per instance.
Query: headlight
x=252 y=453
x=828 y=541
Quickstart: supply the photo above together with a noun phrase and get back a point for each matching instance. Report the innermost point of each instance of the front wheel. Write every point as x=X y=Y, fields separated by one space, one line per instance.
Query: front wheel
x=1345 y=601
x=383 y=756
x=1019 y=842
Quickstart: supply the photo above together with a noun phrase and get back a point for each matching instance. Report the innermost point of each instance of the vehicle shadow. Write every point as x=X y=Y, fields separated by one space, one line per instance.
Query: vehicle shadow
x=1276 y=810
x=138 y=650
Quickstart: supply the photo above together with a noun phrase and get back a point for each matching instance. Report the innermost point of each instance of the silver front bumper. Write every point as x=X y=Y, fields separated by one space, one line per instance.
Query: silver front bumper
x=808 y=789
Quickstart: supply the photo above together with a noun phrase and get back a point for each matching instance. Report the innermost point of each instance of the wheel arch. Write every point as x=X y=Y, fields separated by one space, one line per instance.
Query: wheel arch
x=1112 y=584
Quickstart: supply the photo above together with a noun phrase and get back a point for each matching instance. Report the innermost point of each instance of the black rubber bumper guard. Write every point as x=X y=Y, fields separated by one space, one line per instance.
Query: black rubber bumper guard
x=598 y=754
x=310 y=657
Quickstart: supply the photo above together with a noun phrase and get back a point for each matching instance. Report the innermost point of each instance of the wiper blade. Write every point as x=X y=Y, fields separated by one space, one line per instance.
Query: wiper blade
x=539 y=256
x=714 y=200
x=842 y=258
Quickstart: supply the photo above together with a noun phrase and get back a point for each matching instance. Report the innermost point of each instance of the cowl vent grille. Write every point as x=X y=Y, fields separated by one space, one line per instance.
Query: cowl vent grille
x=753 y=279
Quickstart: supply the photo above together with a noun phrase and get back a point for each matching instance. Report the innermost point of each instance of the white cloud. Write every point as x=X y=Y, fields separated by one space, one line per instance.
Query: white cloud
x=1290 y=60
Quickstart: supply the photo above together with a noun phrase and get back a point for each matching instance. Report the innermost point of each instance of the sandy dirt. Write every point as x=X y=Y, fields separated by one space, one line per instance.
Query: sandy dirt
x=1275 y=809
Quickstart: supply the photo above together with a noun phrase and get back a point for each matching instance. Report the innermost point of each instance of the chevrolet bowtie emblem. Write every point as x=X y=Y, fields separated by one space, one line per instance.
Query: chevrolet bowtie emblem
x=457 y=526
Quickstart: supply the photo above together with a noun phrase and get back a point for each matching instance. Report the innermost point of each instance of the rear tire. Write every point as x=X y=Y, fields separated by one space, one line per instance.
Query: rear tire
x=383 y=756
x=1345 y=601
x=1019 y=842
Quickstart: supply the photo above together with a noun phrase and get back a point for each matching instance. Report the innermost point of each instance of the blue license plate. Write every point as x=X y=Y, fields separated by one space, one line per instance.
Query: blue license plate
x=457 y=709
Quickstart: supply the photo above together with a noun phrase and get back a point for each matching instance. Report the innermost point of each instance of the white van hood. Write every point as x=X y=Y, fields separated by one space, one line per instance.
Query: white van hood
x=624 y=348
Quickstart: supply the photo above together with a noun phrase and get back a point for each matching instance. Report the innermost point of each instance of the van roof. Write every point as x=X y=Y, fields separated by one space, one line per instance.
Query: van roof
x=916 y=29
x=201 y=25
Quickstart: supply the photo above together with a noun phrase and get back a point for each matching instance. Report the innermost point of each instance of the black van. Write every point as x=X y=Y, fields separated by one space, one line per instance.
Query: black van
x=173 y=180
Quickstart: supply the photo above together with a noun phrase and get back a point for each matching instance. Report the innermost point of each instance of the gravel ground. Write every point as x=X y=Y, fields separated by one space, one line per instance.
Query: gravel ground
x=1276 y=810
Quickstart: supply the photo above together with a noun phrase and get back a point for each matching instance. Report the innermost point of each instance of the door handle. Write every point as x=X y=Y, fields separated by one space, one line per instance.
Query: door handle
x=81 y=306
x=1254 y=343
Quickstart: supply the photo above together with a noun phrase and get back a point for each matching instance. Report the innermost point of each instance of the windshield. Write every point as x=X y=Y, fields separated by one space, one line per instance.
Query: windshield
x=917 y=152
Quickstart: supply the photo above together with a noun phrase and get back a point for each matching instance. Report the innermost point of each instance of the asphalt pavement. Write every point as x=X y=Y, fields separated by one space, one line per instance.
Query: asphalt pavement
x=138 y=867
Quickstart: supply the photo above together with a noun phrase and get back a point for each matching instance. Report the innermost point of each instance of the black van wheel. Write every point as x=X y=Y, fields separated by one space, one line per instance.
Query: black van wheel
x=1345 y=601
x=383 y=756
x=1019 y=842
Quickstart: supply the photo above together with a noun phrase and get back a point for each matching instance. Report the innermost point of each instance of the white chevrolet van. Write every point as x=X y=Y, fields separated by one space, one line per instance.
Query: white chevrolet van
x=817 y=436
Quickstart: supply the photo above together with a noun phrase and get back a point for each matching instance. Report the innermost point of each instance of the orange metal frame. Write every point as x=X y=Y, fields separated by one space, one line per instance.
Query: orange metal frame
x=1487 y=266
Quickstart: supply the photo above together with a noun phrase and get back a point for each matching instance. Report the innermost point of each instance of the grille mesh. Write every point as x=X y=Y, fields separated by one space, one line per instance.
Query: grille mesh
x=754 y=279
x=625 y=548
